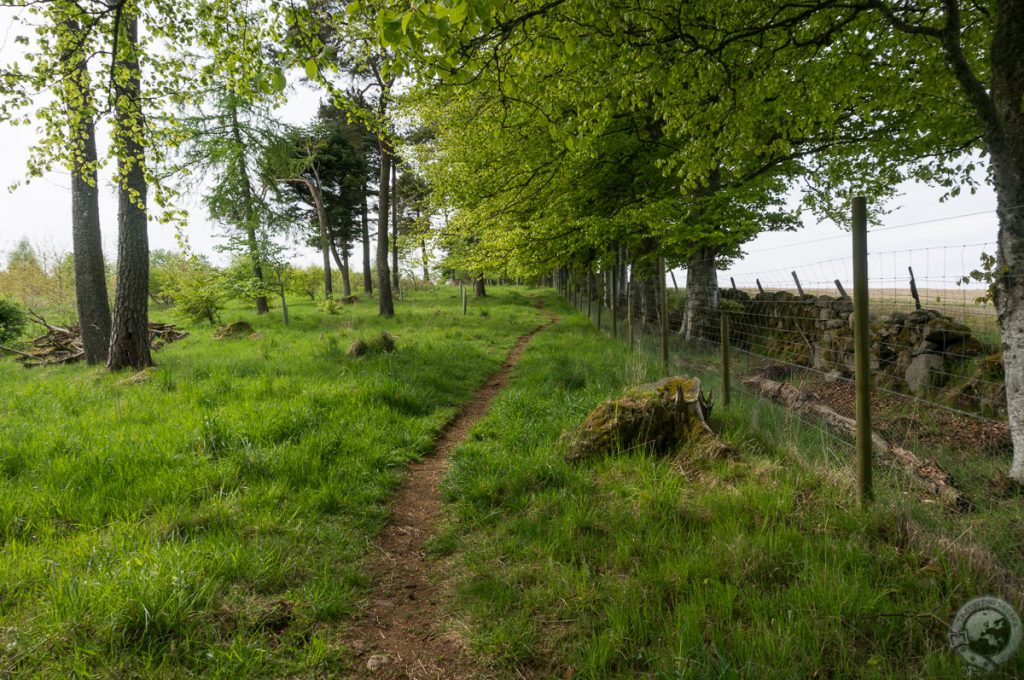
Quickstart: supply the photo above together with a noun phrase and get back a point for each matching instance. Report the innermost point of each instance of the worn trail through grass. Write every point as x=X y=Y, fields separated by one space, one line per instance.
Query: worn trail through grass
x=398 y=635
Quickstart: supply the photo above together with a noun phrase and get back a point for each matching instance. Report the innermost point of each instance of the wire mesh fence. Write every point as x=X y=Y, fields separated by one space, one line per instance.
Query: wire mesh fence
x=937 y=371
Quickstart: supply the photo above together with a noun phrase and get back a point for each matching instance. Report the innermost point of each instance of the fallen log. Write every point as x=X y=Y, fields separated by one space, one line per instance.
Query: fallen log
x=928 y=472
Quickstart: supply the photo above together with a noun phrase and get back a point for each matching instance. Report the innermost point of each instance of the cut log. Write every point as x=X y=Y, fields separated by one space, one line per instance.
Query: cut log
x=662 y=417
x=928 y=472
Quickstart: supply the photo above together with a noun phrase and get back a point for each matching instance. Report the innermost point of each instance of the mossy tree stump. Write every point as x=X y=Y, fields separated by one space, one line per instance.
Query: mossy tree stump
x=663 y=417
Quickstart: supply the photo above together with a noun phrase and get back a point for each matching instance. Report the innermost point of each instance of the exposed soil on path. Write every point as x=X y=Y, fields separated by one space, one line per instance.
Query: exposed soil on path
x=398 y=636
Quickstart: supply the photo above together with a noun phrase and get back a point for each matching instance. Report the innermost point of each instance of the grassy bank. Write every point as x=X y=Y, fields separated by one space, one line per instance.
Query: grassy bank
x=760 y=566
x=208 y=518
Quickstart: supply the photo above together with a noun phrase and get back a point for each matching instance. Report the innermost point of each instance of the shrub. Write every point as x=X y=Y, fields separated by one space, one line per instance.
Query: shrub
x=12 y=320
x=199 y=291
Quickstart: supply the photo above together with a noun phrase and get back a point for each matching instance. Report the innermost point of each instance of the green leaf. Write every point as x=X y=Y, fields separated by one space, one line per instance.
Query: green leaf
x=405 y=22
x=278 y=81
x=459 y=13
x=312 y=69
x=353 y=7
x=392 y=32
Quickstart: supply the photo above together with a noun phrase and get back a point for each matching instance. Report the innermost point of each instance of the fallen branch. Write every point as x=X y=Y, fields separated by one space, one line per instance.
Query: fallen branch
x=929 y=472
x=15 y=351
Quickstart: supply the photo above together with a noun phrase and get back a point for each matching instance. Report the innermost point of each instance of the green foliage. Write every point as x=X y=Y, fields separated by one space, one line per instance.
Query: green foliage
x=199 y=290
x=12 y=320
x=163 y=266
x=989 y=273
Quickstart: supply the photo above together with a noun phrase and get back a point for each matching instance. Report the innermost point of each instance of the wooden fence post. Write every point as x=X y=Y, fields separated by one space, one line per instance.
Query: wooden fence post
x=862 y=348
x=913 y=289
x=663 y=289
x=590 y=291
x=615 y=296
x=724 y=314
x=464 y=299
x=759 y=288
x=629 y=308
x=799 y=288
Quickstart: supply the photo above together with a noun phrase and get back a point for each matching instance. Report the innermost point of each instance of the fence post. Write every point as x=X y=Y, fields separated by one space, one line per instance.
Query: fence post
x=759 y=288
x=590 y=291
x=913 y=289
x=724 y=314
x=842 y=291
x=629 y=308
x=663 y=289
x=862 y=348
x=799 y=288
x=600 y=298
x=464 y=298
x=615 y=296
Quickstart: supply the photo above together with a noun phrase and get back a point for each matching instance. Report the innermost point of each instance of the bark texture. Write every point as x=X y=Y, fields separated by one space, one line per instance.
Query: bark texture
x=481 y=287
x=367 y=268
x=702 y=295
x=129 y=337
x=90 y=275
x=426 y=260
x=386 y=300
x=1005 y=141
x=396 y=282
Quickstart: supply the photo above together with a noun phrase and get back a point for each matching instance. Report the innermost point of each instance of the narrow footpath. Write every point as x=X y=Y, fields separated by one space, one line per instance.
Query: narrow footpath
x=398 y=635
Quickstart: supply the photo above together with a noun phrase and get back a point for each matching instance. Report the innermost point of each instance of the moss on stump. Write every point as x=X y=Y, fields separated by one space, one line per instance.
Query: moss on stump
x=664 y=417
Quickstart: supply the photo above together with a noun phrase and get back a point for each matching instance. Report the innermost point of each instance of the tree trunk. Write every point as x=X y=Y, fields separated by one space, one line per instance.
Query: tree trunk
x=248 y=211
x=90 y=275
x=426 y=261
x=647 y=292
x=481 y=288
x=395 y=273
x=1007 y=153
x=342 y=263
x=257 y=267
x=701 y=310
x=387 y=303
x=367 y=269
x=346 y=280
x=129 y=337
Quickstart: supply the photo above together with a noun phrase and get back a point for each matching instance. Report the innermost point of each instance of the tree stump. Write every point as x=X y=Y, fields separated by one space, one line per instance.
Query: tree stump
x=662 y=417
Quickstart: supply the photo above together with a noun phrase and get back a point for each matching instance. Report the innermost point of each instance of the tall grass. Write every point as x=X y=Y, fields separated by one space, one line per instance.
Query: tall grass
x=209 y=517
x=761 y=566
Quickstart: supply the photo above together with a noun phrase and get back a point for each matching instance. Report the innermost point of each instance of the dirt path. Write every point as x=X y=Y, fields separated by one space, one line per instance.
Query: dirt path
x=398 y=636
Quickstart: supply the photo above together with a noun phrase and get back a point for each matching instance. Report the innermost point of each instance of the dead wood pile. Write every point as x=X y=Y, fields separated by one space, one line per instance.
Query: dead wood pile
x=59 y=345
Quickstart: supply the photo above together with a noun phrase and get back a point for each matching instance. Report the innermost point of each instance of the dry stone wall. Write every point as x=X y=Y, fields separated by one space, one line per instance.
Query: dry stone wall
x=915 y=352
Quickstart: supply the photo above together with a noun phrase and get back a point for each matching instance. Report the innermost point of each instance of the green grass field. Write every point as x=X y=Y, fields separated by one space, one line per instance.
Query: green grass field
x=212 y=520
x=632 y=566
